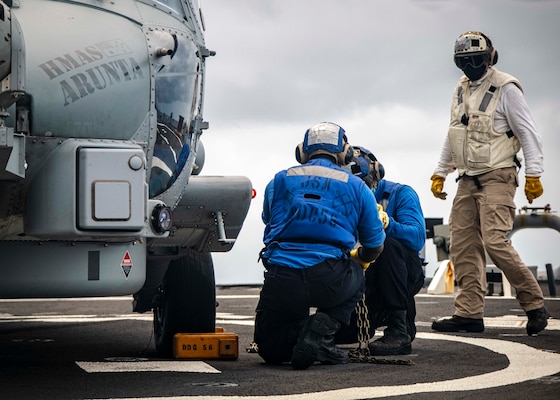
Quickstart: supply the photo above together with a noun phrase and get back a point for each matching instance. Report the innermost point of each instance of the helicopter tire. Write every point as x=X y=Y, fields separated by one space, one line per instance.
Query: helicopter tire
x=186 y=300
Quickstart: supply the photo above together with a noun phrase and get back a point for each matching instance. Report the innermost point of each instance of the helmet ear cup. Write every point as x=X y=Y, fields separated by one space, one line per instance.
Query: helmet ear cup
x=346 y=155
x=342 y=158
x=493 y=56
x=301 y=156
x=376 y=173
x=492 y=52
x=379 y=170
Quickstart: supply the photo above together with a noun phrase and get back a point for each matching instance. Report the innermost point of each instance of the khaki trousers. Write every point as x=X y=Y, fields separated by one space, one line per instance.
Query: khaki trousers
x=481 y=218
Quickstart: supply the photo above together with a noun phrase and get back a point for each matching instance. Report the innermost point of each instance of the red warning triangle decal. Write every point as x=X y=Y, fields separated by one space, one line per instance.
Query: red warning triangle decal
x=126 y=259
x=126 y=264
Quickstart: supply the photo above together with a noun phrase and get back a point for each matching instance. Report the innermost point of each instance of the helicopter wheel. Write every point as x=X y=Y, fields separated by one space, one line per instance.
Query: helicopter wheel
x=186 y=300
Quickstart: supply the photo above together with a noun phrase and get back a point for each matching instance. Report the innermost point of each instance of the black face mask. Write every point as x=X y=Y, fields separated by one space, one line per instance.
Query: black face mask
x=474 y=73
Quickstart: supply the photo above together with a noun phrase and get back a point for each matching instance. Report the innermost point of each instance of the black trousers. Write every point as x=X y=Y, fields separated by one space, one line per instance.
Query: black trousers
x=391 y=284
x=334 y=287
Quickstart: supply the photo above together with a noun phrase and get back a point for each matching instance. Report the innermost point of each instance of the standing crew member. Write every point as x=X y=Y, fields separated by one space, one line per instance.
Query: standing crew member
x=490 y=123
x=314 y=214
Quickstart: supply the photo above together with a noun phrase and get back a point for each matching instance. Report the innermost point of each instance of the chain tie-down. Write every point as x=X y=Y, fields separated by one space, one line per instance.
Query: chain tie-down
x=361 y=353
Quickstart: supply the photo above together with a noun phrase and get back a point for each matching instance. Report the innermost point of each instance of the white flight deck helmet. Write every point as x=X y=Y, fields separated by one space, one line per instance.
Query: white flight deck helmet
x=325 y=138
x=474 y=54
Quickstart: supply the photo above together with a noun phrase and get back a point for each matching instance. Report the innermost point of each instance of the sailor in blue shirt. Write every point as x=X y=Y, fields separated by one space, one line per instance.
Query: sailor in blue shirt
x=315 y=213
x=398 y=274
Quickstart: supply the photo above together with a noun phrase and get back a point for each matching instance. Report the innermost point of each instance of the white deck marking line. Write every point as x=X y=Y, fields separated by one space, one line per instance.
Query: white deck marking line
x=505 y=321
x=74 y=318
x=452 y=295
x=526 y=363
x=237 y=296
x=112 y=298
x=230 y=297
x=147 y=366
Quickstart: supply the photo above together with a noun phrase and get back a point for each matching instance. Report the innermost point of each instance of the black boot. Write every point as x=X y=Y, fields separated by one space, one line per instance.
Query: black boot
x=329 y=353
x=537 y=320
x=458 y=324
x=395 y=338
x=316 y=343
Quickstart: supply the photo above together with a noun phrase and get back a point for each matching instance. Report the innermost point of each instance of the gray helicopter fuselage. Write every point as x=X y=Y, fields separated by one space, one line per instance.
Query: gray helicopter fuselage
x=101 y=116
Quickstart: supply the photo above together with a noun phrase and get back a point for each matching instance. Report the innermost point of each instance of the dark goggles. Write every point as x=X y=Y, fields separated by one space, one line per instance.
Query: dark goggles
x=474 y=60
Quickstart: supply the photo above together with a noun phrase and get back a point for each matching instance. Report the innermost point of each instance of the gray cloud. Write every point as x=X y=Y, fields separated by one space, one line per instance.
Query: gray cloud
x=381 y=69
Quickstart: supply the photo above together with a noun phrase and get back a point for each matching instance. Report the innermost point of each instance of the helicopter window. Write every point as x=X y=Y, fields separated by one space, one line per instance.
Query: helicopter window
x=175 y=5
x=176 y=98
x=186 y=11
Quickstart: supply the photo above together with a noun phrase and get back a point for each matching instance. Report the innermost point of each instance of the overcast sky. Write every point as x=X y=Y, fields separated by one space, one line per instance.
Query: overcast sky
x=384 y=71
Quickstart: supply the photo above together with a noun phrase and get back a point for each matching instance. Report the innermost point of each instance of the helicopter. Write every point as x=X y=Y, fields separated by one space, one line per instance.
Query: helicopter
x=101 y=191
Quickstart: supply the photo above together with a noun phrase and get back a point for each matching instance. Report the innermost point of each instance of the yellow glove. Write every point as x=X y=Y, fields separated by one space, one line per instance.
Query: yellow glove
x=437 y=186
x=383 y=216
x=354 y=254
x=533 y=188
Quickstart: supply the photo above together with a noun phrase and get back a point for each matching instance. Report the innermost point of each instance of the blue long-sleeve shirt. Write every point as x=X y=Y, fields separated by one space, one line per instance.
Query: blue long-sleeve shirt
x=406 y=219
x=317 y=211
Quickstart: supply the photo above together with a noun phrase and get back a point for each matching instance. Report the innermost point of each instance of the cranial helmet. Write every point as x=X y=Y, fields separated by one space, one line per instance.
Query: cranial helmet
x=365 y=165
x=474 y=53
x=325 y=138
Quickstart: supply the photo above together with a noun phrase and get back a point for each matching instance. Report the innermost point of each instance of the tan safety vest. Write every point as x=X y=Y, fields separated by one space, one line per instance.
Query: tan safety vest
x=476 y=147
